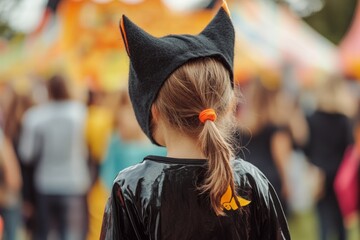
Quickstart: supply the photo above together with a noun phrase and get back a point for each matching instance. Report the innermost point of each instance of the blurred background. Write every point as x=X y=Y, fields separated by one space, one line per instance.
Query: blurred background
x=67 y=126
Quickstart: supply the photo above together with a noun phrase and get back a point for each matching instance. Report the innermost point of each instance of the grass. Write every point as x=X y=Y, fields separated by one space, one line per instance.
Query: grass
x=305 y=226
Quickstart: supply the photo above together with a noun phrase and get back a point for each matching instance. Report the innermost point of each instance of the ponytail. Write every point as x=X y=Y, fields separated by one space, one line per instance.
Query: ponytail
x=219 y=175
x=188 y=91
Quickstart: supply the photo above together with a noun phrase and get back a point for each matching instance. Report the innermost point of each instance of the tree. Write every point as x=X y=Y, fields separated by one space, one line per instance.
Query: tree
x=334 y=19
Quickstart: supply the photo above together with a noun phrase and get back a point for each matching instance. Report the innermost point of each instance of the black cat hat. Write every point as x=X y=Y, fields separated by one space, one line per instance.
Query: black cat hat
x=153 y=60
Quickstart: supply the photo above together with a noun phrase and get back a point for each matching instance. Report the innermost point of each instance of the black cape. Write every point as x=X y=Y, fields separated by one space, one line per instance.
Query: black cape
x=158 y=199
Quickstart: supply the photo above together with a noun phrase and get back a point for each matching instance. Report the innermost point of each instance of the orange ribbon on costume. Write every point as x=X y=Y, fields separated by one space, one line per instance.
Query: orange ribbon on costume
x=207 y=114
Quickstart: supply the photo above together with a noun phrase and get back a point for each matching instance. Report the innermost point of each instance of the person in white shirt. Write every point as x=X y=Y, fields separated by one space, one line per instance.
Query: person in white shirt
x=53 y=136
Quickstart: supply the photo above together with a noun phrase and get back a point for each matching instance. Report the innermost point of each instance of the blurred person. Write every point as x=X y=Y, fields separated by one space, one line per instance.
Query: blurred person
x=357 y=146
x=181 y=89
x=18 y=103
x=357 y=141
x=330 y=135
x=355 y=150
x=264 y=136
x=128 y=143
x=306 y=180
x=127 y=146
x=4 y=101
x=99 y=125
x=1 y=227
x=53 y=136
x=346 y=183
x=10 y=189
x=296 y=122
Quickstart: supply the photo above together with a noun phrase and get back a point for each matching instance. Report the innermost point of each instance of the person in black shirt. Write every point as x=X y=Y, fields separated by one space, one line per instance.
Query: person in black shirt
x=181 y=88
x=263 y=136
x=330 y=135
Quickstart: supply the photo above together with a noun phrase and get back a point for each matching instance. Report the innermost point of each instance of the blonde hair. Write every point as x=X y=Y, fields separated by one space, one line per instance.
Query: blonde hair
x=261 y=108
x=333 y=96
x=195 y=86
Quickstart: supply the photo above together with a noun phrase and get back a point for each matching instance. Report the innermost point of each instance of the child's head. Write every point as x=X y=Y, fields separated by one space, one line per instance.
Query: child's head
x=197 y=85
x=153 y=60
x=180 y=76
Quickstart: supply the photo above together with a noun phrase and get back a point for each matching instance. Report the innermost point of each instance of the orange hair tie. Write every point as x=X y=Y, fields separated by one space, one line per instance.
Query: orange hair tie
x=207 y=114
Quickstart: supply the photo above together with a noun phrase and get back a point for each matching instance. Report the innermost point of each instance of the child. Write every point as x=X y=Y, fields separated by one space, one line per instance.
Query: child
x=181 y=88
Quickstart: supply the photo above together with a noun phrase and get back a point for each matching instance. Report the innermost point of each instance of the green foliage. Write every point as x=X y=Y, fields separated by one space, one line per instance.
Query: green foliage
x=334 y=20
x=5 y=31
x=6 y=6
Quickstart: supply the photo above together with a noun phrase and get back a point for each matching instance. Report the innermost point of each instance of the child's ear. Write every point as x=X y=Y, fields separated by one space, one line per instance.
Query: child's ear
x=157 y=131
x=154 y=113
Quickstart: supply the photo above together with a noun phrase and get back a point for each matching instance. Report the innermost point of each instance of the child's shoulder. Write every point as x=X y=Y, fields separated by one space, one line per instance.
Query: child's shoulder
x=249 y=176
x=141 y=173
x=241 y=166
x=130 y=173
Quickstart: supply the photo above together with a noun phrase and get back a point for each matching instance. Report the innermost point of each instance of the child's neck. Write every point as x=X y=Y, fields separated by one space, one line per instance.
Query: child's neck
x=181 y=146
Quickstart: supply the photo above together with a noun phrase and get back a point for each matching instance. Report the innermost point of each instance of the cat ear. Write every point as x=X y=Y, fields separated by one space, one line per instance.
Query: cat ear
x=220 y=22
x=221 y=31
x=132 y=34
x=225 y=7
x=123 y=33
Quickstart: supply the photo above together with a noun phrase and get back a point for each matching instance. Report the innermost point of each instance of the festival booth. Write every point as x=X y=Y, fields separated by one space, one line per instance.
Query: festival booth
x=91 y=40
x=282 y=42
x=82 y=41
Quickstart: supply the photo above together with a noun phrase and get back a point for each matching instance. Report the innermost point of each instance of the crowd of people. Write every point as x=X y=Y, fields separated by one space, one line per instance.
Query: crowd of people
x=61 y=151
x=279 y=136
x=60 y=156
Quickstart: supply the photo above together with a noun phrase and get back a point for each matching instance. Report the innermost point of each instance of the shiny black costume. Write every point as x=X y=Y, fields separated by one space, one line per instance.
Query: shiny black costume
x=158 y=199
